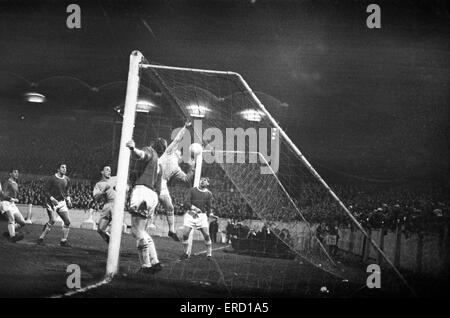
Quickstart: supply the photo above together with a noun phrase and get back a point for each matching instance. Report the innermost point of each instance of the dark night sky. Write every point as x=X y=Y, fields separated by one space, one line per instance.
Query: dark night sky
x=354 y=93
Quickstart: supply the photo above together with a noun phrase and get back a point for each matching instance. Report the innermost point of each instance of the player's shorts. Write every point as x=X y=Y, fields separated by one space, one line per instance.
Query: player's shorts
x=195 y=220
x=8 y=206
x=60 y=207
x=107 y=211
x=141 y=194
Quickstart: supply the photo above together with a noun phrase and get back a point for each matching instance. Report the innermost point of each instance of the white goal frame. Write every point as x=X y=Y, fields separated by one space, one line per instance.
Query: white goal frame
x=112 y=263
x=136 y=63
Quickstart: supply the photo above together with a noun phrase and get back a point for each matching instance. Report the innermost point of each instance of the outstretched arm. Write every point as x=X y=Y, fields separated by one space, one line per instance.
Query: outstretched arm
x=174 y=144
x=141 y=154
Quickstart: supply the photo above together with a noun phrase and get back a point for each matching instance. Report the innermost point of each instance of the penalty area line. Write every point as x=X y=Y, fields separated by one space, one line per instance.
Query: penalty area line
x=214 y=249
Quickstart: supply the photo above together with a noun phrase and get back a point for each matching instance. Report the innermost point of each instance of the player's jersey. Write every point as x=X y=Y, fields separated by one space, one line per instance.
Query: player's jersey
x=202 y=199
x=57 y=187
x=11 y=190
x=169 y=165
x=108 y=195
x=148 y=171
x=170 y=168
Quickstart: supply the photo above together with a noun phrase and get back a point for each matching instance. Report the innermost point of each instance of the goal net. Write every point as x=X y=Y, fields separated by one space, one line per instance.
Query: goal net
x=270 y=200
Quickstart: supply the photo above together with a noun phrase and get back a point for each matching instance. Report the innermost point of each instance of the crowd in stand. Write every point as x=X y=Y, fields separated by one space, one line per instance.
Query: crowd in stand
x=31 y=192
x=39 y=151
x=415 y=207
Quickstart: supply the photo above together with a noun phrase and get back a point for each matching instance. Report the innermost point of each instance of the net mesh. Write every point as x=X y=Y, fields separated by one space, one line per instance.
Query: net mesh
x=261 y=167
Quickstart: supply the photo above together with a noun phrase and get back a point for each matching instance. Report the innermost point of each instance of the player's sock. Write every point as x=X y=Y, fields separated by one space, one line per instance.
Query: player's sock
x=189 y=246
x=11 y=230
x=152 y=251
x=65 y=230
x=171 y=221
x=185 y=246
x=143 y=251
x=47 y=228
x=208 y=248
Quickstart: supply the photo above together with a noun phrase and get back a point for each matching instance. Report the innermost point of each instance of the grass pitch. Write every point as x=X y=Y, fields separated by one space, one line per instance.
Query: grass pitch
x=31 y=270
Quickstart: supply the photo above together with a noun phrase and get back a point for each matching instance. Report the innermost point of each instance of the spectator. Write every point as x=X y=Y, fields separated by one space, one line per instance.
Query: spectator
x=213 y=229
x=333 y=238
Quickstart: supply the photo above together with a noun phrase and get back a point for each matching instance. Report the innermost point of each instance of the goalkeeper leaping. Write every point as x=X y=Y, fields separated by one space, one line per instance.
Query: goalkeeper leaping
x=169 y=163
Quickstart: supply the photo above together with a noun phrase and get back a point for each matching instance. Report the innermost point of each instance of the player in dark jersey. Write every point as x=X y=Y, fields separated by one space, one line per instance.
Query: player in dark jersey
x=9 y=198
x=56 y=191
x=144 y=199
x=198 y=206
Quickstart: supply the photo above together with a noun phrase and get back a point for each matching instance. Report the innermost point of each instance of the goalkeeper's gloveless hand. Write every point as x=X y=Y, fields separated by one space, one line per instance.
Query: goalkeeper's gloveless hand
x=130 y=144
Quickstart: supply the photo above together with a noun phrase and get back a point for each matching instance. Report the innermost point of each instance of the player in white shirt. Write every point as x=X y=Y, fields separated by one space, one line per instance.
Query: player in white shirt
x=105 y=190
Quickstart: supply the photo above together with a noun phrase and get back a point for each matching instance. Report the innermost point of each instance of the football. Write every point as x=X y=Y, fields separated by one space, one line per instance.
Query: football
x=195 y=149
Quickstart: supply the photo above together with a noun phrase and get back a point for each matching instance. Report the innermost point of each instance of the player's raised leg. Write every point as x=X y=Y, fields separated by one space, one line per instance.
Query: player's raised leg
x=48 y=226
x=19 y=220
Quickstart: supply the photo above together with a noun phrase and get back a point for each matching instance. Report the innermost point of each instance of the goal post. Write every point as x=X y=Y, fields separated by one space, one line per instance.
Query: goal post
x=136 y=58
